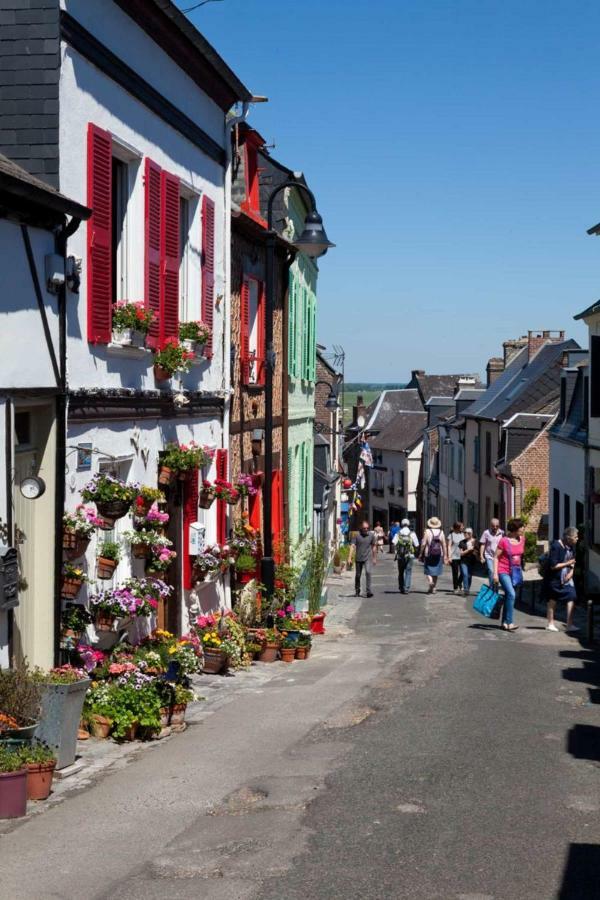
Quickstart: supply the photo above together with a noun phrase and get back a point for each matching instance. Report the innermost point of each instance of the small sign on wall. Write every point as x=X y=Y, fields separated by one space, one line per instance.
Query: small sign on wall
x=84 y=457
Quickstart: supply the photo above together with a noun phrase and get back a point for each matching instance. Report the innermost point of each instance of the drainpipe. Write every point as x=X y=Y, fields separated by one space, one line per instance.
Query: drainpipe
x=64 y=232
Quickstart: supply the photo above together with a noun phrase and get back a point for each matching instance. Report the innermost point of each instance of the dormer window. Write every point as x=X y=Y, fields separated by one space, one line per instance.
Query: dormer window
x=251 y=204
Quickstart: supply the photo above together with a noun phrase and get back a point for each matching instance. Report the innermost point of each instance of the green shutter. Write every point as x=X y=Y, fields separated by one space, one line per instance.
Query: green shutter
x=305 y=334
x=313 y=331
x=291 y=324
x=301 y=491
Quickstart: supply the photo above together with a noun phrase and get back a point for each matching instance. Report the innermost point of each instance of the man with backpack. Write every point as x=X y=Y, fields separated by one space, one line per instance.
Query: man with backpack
x=406 y=543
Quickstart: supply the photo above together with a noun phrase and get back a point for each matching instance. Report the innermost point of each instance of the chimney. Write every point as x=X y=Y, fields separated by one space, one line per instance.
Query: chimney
x=511 y=348
x=417 y=372
x=537 y=339
x=359 y=409
x=494 y=369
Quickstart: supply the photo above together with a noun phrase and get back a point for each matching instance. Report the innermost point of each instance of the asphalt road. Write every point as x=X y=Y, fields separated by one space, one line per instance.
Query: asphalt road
x=421 y=753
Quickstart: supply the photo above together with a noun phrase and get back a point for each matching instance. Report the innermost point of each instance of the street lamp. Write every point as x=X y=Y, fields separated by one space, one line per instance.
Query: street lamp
x=332 y=401
x=314 y=243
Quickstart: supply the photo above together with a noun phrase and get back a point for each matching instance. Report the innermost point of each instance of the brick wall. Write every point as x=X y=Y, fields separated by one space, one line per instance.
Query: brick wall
x=532 y=466
x=29 y=74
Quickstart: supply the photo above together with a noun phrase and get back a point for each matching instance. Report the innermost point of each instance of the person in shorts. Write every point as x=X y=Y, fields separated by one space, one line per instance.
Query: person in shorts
x=558 y=584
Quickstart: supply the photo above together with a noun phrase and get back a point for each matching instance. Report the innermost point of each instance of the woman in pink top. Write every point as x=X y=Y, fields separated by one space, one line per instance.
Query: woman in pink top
x=507 y=568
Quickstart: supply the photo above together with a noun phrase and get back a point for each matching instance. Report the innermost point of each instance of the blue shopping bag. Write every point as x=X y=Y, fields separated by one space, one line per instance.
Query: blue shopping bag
x=486 y=601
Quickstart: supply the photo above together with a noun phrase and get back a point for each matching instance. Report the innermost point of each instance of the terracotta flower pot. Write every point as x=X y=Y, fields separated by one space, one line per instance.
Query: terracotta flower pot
x=13 y=794
x=161 y=374
x=100 y=726
x=206 y=499
x=74 y=544
x=113 y=509
x=300 y=652
x=214 y=661
x=140 y=551
x=287 y=654
x=70 y=587
x=165 y=475
x=131 y=732
x=104 y=621
x=105 y=568
x=269 y=653
x=39 y=780
x=178 y=716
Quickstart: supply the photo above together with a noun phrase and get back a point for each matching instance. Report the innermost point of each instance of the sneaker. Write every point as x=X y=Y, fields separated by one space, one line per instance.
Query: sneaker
x=552 y=627
x=571 y=629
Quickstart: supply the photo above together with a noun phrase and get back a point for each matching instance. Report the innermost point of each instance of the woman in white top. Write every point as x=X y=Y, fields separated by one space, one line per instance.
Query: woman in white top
x=454 y=539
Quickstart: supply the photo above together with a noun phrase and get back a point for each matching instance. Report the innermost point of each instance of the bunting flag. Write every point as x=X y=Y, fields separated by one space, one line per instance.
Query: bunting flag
x=365 y=454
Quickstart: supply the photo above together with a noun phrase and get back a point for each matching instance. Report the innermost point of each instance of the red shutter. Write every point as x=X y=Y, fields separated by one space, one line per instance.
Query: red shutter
x=260 y=335
x=208 y=268
x=254 y=510
x=152 y=235
x=277 y=513
x=221 y=464
x=169 y=220
x=99 y=234
x=245 y=330
x=190 y=514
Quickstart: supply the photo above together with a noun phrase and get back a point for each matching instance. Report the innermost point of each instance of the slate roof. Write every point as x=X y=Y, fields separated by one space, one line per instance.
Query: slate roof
x=439 y=385
x=403 y=432
x=594 y=308
x=524 y=386
x=574 y=426
x=389 y=403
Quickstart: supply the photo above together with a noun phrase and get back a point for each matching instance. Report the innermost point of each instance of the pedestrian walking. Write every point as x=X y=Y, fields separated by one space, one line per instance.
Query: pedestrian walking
x=394 y=529
x=434 y=552
x=488 y=544
x=468 y=558
x=558 y=585
x=406 y=544
x=364 y=548
x=455 y=538
x=507 y=568
x=379 y=536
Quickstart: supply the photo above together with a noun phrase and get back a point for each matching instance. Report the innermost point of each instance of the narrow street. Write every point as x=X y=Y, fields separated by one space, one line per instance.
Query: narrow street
x=420 y=753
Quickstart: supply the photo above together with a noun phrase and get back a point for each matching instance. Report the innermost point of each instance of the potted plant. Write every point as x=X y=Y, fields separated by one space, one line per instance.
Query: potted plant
x=206 y=563
x=142 y=542
x=181 y=697
x=272 y=643
x=72 y=579
x=207 y=495
x=245 y=568
x=109 y=556
x=113 y=497
x=288 y=650
x=337 y=563
x=131 y=322
x=20 y=698
x=97 y=709
x=173 y=357
x=63 y=691
x=245 y=486
x=303 y=645
x=73 y=620
x=182 y=459
x=40 y=763
x=193 y=336
x=77 y=531
x=13 y=784
x=146 y=498
x=224 y=490
x=160 y=557
x=214 y=657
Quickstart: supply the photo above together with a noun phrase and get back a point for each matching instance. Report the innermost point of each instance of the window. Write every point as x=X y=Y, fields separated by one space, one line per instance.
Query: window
x=488 y=453
x=251 y=202
x=23 y=429
x=566 y=511
x=401 y=481
x=555 y=514
x=184 y=244
x=460 y=464
x=595 y=375
x=563 y=399
x=586 y=402
x=476 y=454
x=120 y=197
x=496 y=510
x=253 y=331
x=579 y=514
x=488 y=509
x=292 y=326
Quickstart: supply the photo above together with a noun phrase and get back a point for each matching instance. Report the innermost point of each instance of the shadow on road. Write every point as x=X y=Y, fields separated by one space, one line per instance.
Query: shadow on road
x=583 y=742
x=580 y=878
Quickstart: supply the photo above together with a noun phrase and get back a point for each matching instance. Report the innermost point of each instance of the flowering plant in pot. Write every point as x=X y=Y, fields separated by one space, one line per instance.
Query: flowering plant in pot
x=207 y=563
x=154 y=519
x=131 y=322
x=113 y=497
x=72 y=579
x=20 y=699
x=193 y=335
x=245 y=567
x=288 y=650
x=244 y=485
x=142 y=542
x=40 y=763
x=303 y=645
x=207 y=495
x=224 y=490
x=13 y=784
x=173 y=357
x=77 y=530
x=97 y=709
x=181 y=697
x=182 y=459
x=73 y=621
x=214 y=658
x=109 y=555
x=90 y=657
x=146 y=498
x=272 y=642
x=160 y=558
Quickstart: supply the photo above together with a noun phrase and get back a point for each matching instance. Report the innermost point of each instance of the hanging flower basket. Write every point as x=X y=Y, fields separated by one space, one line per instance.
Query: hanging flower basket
x=113 y=509
x=140 y=551
x=165 y=475
x=104 y=621
x=105 y=568
x=70 y=587
x=206 y=499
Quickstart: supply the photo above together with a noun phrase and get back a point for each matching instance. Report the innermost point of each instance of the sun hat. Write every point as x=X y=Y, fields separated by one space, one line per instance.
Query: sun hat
x=434 y=522
x=468 y=531
x=405 y=523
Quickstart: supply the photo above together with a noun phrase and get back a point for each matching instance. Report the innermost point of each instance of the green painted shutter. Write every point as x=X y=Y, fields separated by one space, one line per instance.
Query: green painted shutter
x=291 y=325
x=305 y=333
x=301 y=491
x=313 y=331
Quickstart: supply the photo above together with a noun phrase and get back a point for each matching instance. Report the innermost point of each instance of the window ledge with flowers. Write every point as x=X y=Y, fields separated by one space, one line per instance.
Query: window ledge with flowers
x=131 y=322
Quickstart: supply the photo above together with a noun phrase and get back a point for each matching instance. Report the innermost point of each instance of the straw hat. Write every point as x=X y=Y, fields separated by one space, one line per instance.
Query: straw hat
x=434 y=522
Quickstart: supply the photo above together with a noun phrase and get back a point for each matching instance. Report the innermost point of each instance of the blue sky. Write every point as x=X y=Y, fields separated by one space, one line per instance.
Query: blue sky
x=454 y=151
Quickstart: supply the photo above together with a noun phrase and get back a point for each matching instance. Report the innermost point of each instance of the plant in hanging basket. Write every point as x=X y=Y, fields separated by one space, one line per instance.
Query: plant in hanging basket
x=224 y=490
x=72 y=579
x=109 y=555
x=77 y=530
x=173 y=357
x=113 y=497
x=143 y=541
x=73 y=621
x=207 y=562
x=244 y=485
x=185 y=457
x=160 y=557
x=207 y=495
x=146 y=498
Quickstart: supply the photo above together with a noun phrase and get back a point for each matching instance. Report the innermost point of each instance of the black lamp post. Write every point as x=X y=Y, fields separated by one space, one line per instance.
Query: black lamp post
x=313 y=242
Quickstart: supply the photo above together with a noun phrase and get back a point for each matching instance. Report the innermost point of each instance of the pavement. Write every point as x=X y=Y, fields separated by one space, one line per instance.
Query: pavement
x=420 y=752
